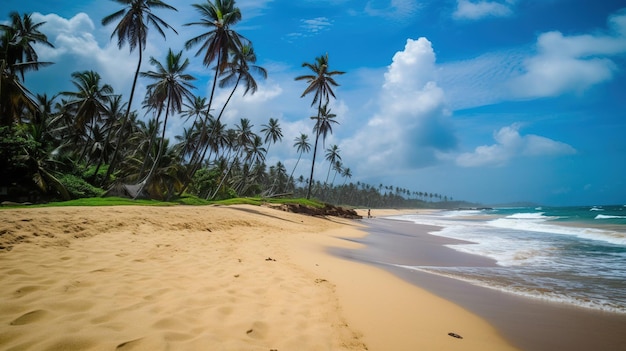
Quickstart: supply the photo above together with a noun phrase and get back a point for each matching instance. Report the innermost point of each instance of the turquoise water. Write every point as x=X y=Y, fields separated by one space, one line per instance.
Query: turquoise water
x=571 y=255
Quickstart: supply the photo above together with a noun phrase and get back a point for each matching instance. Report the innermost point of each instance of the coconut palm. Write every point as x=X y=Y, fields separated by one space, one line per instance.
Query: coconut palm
x=132 y=28
x=346 y=173
x=240 y=68
x=332 y=156
x=302 y=145
x=217 y=43
x=17 y=56
x=273 y=132
x=87 y=104
x=171 y=86
x=243 y=137
x=218 y=17
x=321 y=83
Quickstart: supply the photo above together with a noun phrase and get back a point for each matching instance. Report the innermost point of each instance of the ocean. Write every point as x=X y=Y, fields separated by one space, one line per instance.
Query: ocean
x=570 y=255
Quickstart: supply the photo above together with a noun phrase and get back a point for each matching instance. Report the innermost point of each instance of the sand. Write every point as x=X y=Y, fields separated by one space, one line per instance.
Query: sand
x=209 y=278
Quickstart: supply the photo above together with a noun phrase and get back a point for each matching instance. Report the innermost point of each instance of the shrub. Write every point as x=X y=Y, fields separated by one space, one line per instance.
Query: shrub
x=78 y=187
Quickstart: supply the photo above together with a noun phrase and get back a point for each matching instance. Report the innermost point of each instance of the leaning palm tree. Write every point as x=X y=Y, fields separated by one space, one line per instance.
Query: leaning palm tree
x=132 y=28
x=273 y=132
x=320 y=82
x=302 y=145
x=171 y=86
x=240 y=68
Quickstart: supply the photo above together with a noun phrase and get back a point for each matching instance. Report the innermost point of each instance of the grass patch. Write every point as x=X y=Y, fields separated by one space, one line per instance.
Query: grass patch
x=188 y=200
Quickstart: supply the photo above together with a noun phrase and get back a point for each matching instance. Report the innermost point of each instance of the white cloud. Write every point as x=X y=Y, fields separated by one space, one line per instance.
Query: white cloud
x=511 y=144
x=411 y=124
x=77 y=49
x=565 y=64
x=467 y=9
x=315 y=25
x=399 y=10
x=559 y=64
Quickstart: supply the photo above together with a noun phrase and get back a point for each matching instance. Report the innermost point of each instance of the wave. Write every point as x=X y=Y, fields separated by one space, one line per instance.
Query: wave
x=529 y=291
x=527 y=215
x=609 y=217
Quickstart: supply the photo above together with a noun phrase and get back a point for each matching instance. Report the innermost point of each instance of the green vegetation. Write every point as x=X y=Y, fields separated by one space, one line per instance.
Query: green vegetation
x=78 y=143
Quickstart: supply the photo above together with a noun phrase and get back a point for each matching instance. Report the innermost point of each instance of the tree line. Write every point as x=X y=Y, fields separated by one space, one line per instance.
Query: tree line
x=78 y=143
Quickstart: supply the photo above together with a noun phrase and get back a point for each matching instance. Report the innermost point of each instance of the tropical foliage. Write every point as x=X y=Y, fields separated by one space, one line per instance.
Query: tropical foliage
x=89 y=139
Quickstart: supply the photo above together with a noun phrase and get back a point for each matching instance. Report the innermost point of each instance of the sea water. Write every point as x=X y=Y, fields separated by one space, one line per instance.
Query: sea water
x=573 y=255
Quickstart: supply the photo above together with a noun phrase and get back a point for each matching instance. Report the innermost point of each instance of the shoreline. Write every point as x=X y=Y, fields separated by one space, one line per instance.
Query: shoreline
x=214 y=277
x=530 y=324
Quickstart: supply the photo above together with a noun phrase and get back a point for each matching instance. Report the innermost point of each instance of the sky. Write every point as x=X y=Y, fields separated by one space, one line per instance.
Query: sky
x=489 y=101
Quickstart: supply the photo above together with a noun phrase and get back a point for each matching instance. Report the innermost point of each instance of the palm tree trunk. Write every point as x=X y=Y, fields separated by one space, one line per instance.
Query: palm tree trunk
x=159 y=153
x=224 y=177
x=317 y=136
x=150 y=142
x=197 y=164
x=125 y=121
x=294 y=169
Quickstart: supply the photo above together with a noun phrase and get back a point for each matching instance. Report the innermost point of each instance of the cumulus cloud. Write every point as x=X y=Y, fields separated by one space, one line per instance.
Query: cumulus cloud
x=511 y=144
x=411 y=123
x=77 y=49
x=470 y=10
x=565 y=64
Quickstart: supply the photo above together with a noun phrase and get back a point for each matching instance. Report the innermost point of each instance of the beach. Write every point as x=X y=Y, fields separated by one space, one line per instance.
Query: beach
x=211 y=277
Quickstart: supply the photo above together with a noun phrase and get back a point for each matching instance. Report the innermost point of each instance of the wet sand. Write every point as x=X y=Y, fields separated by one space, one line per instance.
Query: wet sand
x=530 y=324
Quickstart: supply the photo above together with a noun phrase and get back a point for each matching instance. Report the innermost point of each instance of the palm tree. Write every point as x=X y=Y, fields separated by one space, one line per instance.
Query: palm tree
x=87 y=104
x=171 y=86
x=332 y=156
x=302 y=145
x=240 y=68
x=220 y=39
x=132 y=28
x=195 y=108
x=114 y=111
x=17 y=55
x=217 y=43
x=272 y=131
x=320 y=82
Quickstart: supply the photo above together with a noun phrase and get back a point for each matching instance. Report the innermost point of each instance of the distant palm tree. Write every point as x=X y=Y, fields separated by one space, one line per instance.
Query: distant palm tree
x=243 y=137
x=332 y=156
x=346 y=173
x=320 y=82
x=338 y=168
x=302 y=145
x=324 y=123
x=171 y=86
x=272 y=131
x=132 y=28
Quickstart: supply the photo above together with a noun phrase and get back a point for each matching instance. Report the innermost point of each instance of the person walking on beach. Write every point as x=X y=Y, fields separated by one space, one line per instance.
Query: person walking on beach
x=369 y=214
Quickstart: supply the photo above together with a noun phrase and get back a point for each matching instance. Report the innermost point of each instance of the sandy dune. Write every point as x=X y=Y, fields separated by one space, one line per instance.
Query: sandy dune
x=207 y=278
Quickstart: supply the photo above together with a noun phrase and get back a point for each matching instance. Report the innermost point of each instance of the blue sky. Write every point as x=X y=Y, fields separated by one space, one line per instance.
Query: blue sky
x=488 y=101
